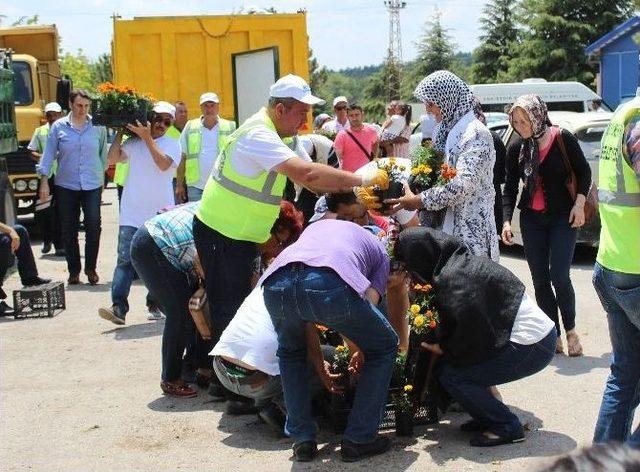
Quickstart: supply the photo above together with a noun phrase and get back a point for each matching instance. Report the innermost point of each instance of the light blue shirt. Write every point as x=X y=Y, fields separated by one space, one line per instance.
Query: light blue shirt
x=81 y=154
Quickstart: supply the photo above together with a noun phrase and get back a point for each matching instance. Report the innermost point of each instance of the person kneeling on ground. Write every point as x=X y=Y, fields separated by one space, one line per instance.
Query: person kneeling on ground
x=15 y=240
x=490 y=332
x=163 y=254
x=334 y=276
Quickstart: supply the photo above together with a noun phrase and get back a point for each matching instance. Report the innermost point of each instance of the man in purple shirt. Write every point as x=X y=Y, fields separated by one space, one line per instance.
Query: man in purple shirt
x=334 y=275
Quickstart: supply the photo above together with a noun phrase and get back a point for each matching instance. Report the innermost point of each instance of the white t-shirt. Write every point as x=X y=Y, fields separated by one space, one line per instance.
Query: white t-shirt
x=148 y=189
x=208 y=152
x=396 y=124
x=261 y=149
x=531 y=324
x=427 y=126
x=250 y=336
x=322 y=146
x=333 y=126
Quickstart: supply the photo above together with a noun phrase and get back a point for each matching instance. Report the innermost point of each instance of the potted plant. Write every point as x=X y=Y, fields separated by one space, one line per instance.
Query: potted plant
x=117 y=106
x=422 y=315
x=395 y=171
x=425 y=166
x=340 y=402
x=403 y=410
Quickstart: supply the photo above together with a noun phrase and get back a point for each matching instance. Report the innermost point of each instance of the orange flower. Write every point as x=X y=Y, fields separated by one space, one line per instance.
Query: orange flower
x=322 y=328
x=106 y=87
x=432 y=324
x=426 y=288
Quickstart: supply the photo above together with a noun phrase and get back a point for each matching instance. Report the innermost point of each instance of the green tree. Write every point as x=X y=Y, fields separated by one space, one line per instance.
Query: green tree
x=499 y=36
x=26 y=20
x=557 y=32
x=435 y=49
x=380 y=88
x=79 y=67
x=317 y=78
x=101 y=69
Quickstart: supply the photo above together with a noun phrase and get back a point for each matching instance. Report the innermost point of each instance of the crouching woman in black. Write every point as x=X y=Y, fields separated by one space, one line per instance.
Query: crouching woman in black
x=490 y=331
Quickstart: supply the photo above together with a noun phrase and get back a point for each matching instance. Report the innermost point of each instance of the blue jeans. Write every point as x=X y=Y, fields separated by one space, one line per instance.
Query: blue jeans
x=69 y=203
x=26 y=262
x=194 y=194
x=469 y=384
x=620 y=296
x=124 y=273
x=297 y=294
x=549 y=242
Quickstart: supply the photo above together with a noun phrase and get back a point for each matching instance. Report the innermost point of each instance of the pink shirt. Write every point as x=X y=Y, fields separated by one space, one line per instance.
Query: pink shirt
x=537 y=202
x=352 y=156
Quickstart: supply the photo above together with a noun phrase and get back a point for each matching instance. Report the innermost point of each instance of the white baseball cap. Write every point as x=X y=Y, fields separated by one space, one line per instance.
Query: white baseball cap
x=165 y=107
x=340 y=99
x=292 y=86
x=52 y=106
x=209 y=97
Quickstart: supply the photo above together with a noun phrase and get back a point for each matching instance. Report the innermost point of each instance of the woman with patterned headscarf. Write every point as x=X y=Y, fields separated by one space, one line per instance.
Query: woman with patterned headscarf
x=549 y=217
x=468 y=198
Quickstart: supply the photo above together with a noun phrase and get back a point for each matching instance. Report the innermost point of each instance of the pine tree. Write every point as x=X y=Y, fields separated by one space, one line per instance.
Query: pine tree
x=380 y=89
x=435 y=48
x=500 y=34
x=557 y=33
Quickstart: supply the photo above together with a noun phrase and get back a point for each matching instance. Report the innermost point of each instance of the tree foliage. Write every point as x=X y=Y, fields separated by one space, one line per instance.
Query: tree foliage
x=26 y=20
x=557 y=32
x=500 y=34
x=435 y=48
x=84 y=72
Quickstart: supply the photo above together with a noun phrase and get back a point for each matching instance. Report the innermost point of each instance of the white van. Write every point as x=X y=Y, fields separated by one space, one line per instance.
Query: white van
x=559 y=96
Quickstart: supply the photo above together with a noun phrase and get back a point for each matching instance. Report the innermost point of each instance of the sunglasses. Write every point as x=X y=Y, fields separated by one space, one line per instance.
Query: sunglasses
x=340 y=108
x=164 y=121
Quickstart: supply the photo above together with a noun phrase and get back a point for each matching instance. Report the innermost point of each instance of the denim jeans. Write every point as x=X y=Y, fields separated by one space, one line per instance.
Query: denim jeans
x=26 y=262
x=468 y=385
x=69 y=204
x=297 y=294
x=549 y=242
x=171 y=290
x=228 y=266
x=620 y=296
x=194 y=194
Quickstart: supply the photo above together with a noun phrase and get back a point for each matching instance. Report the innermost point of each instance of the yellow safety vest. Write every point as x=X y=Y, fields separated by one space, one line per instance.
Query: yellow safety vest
x=239 y=207
x=619 y=197
x=193 y=130
x=41 y=134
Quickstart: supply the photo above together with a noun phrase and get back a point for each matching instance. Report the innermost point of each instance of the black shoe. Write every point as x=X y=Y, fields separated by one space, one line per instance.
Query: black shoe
x=305 y=451
x=274 y=417
x=46 y=248
x=6 y=310
x=241 y=407
x=484 y=441
x=33 y=281
x=217 y=392
x=60 y=253
x=352 y=452
x=473 y=426
x=113 y=314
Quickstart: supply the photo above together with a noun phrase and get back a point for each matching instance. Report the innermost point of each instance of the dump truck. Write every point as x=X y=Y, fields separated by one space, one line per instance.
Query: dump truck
x=36 y=81
x=8 y=136
x=236 y=56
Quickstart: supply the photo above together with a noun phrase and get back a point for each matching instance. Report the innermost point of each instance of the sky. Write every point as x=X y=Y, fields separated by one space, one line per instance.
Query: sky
x=347 y=33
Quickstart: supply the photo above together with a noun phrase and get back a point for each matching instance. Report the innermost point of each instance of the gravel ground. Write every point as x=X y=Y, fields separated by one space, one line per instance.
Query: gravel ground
x=78 y=393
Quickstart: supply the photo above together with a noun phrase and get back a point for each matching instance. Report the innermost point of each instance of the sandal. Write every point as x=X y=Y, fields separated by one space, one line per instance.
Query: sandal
x=574 y=348
x=488 y=439
x=559 y=346
x=178 y=390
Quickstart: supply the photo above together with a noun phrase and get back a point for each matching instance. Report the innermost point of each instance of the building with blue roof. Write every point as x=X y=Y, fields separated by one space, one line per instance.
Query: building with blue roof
x=618 y=53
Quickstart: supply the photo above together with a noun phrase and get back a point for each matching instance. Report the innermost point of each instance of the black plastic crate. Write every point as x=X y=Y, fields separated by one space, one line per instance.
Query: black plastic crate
x=39 y=301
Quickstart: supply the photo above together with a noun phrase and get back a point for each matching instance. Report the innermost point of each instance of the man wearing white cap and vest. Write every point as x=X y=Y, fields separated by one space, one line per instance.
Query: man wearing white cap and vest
x=241 y=200
x=201 y=141
x=340 y=121
x=46 y=217
x=616 y=274
x=152 y=157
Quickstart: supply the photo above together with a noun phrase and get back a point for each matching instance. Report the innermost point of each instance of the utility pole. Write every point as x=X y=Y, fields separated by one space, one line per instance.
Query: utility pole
x=394 y=53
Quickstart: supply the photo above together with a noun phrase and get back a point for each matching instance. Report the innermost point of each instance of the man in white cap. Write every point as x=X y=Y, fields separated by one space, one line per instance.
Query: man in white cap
x=152 y=156
x=201 y=141
x=340 y=121
x=46 y=217
x=241 y=200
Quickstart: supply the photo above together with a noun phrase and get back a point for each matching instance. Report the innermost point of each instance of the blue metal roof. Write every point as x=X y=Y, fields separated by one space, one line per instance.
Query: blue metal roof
x=625 y=28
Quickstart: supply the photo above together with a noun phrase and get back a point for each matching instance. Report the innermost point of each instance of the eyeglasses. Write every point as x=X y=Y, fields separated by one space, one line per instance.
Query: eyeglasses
x=340 y=107
x=164 y=121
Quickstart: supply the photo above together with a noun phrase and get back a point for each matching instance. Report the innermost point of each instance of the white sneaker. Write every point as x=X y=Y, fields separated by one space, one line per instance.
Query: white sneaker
x=155 y=314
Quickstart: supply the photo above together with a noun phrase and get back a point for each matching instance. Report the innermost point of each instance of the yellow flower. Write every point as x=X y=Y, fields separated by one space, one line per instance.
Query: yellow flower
x=415 y=309
x=408 y=388
x=340 y=348
x=418 y=321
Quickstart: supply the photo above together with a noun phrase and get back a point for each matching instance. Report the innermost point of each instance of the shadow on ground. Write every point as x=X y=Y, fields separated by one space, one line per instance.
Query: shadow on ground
x=138 y=331
x=566 y=365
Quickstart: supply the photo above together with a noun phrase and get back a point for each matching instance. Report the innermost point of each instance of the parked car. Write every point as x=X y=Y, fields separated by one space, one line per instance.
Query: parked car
x=588 y=129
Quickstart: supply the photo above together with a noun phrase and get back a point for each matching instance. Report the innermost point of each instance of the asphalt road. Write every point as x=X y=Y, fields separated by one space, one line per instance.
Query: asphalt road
x=78 y=393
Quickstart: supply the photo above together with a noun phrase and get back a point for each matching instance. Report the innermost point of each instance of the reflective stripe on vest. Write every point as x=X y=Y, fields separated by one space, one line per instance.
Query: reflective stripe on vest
x=239 y=207
x=194 y=145
x=619 y=196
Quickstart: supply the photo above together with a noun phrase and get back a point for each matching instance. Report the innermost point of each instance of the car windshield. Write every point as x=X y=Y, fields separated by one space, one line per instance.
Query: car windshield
x=589 y=139
x=22 y=85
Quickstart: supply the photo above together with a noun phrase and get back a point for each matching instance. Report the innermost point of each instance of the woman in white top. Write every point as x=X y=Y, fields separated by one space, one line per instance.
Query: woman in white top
x=396 y=131
x=468 y=146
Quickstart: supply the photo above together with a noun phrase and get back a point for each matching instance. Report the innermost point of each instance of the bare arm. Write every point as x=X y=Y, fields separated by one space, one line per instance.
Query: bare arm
x=115 y=153
x=159 y=158
x=397 y=306
x=317 y=177
x=316 y=359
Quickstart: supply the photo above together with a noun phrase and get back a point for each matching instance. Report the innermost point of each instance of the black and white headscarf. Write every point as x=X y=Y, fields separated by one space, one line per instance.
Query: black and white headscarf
x=452 y=95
